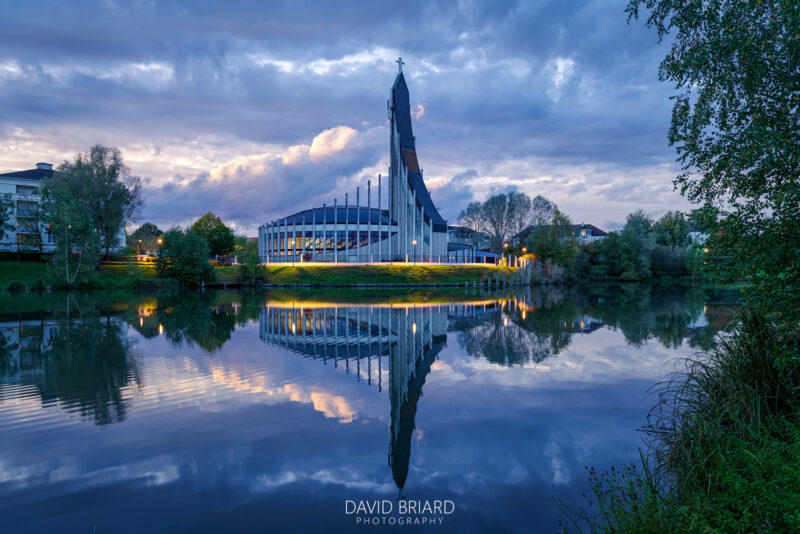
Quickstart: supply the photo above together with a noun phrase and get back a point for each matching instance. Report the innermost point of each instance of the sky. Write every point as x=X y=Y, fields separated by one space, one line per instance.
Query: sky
x=256 y=110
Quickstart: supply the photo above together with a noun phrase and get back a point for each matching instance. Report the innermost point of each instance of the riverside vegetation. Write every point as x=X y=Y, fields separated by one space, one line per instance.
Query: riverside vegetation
x=723 y=439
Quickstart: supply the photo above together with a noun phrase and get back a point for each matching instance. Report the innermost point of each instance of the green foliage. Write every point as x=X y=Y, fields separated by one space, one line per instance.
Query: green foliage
x=724 y=441
x=145 y=238
x=250 y=272
x=101 y=184
x=184 y=257
x=627 y=253
x=77 y=243
x=668 y=261
x=219 y=237
x=555 y=241
x=672 y=230
x=734 y=125
x=6 y=212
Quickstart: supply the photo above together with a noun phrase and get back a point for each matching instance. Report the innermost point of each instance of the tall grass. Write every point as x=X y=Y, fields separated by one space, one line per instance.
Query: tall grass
x=723 y=444
x=742 y=389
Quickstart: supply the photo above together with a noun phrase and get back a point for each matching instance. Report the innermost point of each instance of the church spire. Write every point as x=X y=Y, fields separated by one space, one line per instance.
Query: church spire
x=400 y=64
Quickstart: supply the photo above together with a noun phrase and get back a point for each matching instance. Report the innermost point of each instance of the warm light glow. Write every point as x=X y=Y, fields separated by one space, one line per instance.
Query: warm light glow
x=705 y=249
x=505 y=245
x=141 y=321
x=523 y=315
x=414 y=328
x=160 y=240
x=505 y=321
x=160 y=329
x=414 y=242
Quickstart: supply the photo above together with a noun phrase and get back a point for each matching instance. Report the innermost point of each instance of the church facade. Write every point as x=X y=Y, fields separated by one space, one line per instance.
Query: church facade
x=401 y=224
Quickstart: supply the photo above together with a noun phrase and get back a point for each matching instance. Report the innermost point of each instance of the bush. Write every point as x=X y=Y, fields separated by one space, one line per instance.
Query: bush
x=184 y=257
x=250 y=272
x=668 y=261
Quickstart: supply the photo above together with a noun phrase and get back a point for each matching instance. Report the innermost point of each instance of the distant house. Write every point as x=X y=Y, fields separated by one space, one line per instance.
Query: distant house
x=588 y=233
x=584 y=233
x=27 y=233
x=696 y=237
x=465 y=245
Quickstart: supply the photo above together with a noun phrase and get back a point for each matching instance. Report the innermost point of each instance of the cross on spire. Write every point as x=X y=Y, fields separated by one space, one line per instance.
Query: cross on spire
x=400 y=64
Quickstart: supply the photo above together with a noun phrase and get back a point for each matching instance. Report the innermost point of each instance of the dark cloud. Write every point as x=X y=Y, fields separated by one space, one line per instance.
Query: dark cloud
x=537 y=90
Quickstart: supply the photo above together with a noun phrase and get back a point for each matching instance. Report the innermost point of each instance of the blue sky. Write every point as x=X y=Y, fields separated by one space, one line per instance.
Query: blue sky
x=253 y=110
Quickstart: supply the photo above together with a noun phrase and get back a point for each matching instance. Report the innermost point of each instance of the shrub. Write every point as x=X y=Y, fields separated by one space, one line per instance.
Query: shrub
x=184 y=257
x=668 y=261
x=250 y=272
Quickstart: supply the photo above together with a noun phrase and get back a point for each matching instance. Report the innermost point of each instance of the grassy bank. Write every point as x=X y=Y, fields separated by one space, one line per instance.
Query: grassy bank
x=34 y=275
x=724 y=444
x=370 y=274
x=29 y=275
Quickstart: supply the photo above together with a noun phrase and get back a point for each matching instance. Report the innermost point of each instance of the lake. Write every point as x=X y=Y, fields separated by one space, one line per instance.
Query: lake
x=315 y=411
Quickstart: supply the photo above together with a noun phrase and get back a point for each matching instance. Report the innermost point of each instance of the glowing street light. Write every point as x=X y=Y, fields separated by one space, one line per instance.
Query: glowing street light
x=414 y=244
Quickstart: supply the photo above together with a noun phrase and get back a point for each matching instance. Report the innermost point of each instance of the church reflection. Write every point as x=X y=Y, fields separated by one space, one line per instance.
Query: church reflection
x=401 y=340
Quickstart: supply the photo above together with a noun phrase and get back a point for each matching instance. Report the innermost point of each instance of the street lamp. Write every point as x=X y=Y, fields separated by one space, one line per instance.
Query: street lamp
x=505 y=249
x=414 y=244
x=159 y=240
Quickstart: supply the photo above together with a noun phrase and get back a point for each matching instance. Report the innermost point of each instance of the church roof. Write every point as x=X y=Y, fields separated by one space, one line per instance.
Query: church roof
x=408 y=150
x=339 y=214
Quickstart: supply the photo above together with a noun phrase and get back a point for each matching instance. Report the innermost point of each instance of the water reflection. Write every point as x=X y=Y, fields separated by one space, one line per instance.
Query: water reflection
x=516 y=328
x=227 y=402
x=76 y=357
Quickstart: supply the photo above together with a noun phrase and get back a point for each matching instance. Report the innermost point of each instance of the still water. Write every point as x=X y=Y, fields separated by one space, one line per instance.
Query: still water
x=237 y=412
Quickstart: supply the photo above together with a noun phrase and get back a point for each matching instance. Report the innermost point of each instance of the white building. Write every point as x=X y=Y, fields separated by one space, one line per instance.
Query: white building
x=28 y=233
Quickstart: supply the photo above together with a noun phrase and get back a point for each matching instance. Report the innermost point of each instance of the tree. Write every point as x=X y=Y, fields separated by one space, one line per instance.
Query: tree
x=472 y=217
x=219 y=237
x=627 y=253
x=520 y=209
x=145 y=237
x=77 y=242
x=542 y=211
x=734 y=125
x=6 y=212
x=496 y=214
x=184 y=257
x=672 y=230
x=102 y=185
x=504 y=215
x=555 y=241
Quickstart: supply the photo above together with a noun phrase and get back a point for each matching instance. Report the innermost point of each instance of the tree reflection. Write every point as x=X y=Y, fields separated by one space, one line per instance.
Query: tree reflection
x=190 y=319
x=75 y=355
x=531 y=326
x=88 y=366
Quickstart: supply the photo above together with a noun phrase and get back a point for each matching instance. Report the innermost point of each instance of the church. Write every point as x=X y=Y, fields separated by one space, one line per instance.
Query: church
x=401 y=225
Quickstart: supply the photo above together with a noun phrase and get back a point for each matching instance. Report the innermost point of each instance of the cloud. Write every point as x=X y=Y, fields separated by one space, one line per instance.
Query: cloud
x=221 y=108
x=248 y=190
